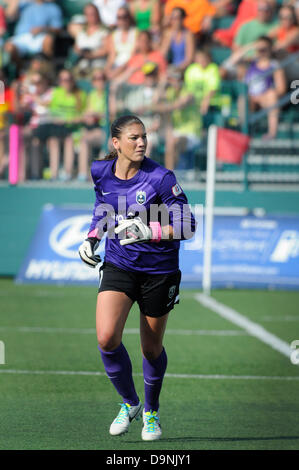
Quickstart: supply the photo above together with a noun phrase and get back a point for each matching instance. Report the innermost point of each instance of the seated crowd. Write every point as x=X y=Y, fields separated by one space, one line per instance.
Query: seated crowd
x=65 y=78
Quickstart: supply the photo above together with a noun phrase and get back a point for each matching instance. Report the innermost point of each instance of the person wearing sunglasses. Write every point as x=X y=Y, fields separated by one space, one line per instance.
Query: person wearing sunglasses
x=108 y=10
x=121 y=44
x=286 y=34
x=250 y=31
x=90 y=49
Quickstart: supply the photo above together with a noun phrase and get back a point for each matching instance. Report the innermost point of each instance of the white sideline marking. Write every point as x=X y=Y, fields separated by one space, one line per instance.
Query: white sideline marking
x=251 y=327
x=286 y=318
x=130 y=331
x=139 y=374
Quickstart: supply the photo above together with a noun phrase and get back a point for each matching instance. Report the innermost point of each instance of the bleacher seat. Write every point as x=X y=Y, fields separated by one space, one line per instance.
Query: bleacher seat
x=71 y=8
x=219 y=54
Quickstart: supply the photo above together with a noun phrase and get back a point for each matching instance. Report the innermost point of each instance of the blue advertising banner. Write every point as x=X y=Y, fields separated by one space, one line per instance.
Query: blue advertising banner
x=248 y=251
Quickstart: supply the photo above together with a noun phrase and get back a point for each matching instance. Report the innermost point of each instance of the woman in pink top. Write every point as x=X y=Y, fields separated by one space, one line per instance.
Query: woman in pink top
x=144 y=54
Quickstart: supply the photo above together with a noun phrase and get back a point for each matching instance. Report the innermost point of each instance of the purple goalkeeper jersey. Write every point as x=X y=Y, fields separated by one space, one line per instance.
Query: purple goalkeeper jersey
x=152 y=187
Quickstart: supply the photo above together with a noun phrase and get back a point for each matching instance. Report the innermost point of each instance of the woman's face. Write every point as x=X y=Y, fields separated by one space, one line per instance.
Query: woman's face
x=66 y=81
x=98 y=79
x=123 y=19
x=176 y=18
x=91 y=15
x=286 y=17
x=132 y=143
x=144 y=43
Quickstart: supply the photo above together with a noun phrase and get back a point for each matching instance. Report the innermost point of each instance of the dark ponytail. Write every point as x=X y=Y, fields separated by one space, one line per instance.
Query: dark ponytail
x=117 y=127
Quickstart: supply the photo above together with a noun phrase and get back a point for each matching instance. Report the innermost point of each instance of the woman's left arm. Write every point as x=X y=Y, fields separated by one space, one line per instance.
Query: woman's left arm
x=182 y=224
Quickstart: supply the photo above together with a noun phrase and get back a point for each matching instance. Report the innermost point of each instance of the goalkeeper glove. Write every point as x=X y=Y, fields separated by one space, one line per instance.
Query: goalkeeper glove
x=86 y=252
x=137 y=232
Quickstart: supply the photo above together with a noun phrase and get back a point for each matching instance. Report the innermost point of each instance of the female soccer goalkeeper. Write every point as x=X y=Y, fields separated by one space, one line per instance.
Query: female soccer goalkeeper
x=141 y=264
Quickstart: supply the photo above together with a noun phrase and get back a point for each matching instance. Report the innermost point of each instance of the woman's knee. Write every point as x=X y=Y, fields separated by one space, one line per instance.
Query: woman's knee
x=108 y=341
x=151 y=351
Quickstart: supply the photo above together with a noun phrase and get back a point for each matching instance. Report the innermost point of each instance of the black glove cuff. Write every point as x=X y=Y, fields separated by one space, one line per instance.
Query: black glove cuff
x=93 y=241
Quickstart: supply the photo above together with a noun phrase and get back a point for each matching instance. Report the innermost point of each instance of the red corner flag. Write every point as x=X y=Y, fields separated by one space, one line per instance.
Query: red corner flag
x=231 y=146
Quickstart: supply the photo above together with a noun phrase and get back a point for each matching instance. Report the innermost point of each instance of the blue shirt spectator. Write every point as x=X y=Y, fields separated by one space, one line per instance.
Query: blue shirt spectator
x=39 y=14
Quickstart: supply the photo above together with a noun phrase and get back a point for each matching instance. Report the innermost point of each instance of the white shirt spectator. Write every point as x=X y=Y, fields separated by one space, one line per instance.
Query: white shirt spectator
x=108 y=10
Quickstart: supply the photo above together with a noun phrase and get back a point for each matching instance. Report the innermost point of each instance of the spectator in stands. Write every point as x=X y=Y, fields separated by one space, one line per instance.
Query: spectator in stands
x=36 y=99
x=121 y=44
x=7 y=106
x=295 y=4
x=108 y=10
x=202 y=79
x=247 y=11
x=286 y=35
x=147 y=14
x=2 y=24
x=90 y=49
x=37 y=23
x=94 y=121
x=67 y=107
x=145 y=53
x=181 y=119
x=260 y=26
x=287 y=40
x=178 y=45
x=199 y=14
x=38 y=64
x=266 y=83
x=247 y=37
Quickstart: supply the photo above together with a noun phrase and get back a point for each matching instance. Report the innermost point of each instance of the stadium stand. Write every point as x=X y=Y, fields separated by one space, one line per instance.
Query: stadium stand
x=269 y=164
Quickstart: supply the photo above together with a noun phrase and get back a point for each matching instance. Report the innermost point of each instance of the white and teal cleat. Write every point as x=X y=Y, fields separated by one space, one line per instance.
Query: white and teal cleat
x=123 y=420
x=151 y=430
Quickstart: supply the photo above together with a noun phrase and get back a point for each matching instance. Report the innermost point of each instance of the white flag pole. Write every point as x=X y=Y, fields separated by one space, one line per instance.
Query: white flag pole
x=209 y=209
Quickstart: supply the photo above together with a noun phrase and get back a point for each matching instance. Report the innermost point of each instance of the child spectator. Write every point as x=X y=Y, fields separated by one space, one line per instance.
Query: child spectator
x=181 y=119
x=202 y=79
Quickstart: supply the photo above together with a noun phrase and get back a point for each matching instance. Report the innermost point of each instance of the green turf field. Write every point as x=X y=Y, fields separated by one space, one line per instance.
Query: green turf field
x=225 y=389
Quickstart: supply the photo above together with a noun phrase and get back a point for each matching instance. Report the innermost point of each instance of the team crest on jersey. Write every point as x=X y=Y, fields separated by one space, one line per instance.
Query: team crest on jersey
x=141 y=197
x=176 y=190
x=171 y=291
